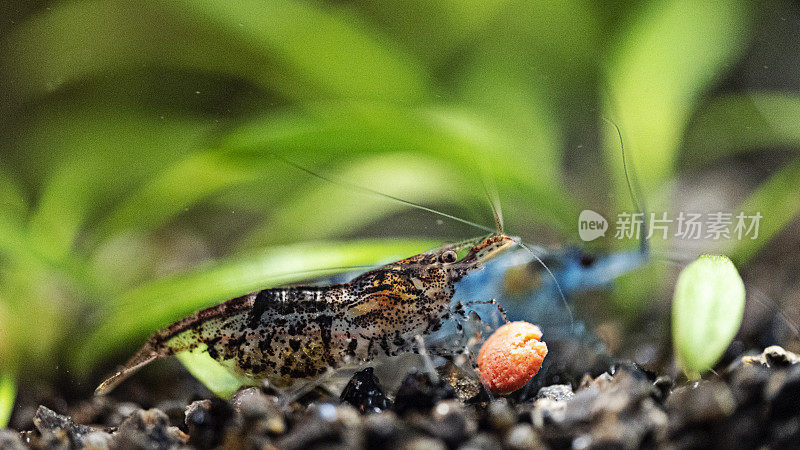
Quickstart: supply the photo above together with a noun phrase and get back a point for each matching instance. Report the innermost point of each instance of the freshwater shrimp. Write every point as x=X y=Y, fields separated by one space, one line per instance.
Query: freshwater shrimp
x=283 y=335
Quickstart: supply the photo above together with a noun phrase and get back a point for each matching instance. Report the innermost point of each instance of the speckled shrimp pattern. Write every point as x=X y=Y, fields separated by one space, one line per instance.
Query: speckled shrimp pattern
x=287 y=334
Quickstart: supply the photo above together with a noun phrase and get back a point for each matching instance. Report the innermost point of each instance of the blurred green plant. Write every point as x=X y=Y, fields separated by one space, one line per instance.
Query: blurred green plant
x=8 y=392
x=707 y=311
x=138 y=141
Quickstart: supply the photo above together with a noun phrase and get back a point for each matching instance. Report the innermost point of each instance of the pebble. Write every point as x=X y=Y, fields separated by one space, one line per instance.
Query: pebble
x=206 y=421
x=614 y=411
x=421 y=443
x=381 y=429
x=364 y=391
x=450 y=422
x=773 y=356
x=482 y=441
x=500 y=415
x=750 y=405
x=417 y=392
x=148 y=429
x=59 y=431
x=310 y=431
x=522 y=436
x=10 y=440
x=709 y=402
x=785 y=402
x=555 y=392
x=259 y=411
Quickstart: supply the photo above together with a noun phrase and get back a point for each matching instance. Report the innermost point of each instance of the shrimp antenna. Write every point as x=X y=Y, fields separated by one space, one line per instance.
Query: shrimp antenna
x=494 y=200
x=490 y=190
x=558 y=285
x=635 y=191
x=381 y=194
x=762 y=298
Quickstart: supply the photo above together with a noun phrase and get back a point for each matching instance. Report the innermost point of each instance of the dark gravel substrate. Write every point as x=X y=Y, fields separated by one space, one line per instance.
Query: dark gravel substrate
x=756 y=403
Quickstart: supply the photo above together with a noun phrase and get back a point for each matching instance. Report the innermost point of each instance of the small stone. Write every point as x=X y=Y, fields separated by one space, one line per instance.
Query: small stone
x=522 y=436
x=421 y=443
x=748 y=384
x=148 y=429
x=348 y=416
x=785 y=401
x=776 y=356
x=742 y=430
x=381 y=429
x=314 y=430
x=58 y=430
x=467 y=385
x=663 y=386
x=633 y=368
x=601 y=382
x=555 y=392
x=206 y=421
x=785 y=434
x=708 y=402
x=546 y=412
x=617 y=412
x=501 y=415
x=120 y=412
x=11 y=441
x=259 y=411
x=773 y=356
x=418 y=392
x=96 y=440
x=175 y=410
x=325 y=424
x=482 y=441
x=364 y=391
x=450 y=423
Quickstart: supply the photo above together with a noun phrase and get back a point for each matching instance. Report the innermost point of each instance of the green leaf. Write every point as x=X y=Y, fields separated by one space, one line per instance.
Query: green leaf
x=777 y=201
x=13 y=205
x=707 y=312
x=417 y=23
x=299 y=49
x=327 y=209
x=144 y=310
x=106 y=151
x=318 y=50
x=659 y=67
x=162 y=197
x=211 y=373
x=8 y=393
x=327 y=131
x=551 y=47
x=743 y=122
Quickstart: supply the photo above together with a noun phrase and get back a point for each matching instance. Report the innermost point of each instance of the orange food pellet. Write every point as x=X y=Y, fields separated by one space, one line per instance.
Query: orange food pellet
x=511 y=357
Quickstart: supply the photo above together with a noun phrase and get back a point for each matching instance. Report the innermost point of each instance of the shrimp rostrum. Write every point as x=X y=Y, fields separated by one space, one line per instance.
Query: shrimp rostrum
x=284 y=335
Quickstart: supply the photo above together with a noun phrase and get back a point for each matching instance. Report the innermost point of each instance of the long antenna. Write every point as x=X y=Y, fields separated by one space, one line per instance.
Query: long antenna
x=558 y=286
x=635 y=191
x=494 y=200
x=381 y=194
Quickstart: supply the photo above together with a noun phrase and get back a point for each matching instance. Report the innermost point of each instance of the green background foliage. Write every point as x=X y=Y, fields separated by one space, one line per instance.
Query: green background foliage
x=138 y=179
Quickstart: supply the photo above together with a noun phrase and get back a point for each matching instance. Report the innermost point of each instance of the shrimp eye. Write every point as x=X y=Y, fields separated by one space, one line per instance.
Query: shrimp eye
x=587 y=260
x=448 y=256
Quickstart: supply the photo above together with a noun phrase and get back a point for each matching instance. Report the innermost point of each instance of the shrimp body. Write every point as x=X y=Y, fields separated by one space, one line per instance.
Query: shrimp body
x=287 y=334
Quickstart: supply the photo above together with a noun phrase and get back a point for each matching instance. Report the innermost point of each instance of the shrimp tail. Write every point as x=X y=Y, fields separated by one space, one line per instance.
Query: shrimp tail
x=175 y=338
x=147 y=354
